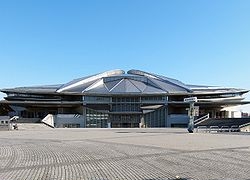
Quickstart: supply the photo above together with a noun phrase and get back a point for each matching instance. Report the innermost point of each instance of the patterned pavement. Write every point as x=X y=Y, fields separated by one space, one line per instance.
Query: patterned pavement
x=122 y=154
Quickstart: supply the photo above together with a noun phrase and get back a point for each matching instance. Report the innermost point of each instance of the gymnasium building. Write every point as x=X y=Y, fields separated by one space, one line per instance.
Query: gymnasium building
x=118 y=99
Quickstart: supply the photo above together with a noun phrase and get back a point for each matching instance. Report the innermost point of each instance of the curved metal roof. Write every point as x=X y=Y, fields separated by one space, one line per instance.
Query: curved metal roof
x=78 y=85
x=133 y=82
x=117 y=82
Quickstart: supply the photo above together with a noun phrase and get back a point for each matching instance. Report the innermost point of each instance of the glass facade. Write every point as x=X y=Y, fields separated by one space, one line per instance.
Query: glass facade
x=125 y=104
x=124 y=111
x=95 y=119
x=155 y=118
x=125 y=121
x=154 y=99
x=96 y=99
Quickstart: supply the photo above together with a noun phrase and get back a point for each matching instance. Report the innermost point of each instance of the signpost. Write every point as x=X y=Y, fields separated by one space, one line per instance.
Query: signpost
x=190 y=99
x=191 y=112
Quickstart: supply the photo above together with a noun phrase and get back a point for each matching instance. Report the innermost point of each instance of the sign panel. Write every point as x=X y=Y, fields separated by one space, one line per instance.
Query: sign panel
x=190 y=99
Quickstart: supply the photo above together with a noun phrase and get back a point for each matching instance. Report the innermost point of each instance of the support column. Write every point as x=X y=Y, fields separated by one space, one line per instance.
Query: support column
x=142 y=123
x=167 y=122
x=84 y=116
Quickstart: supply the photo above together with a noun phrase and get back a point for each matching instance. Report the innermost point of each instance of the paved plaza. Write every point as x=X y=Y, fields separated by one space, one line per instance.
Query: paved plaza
x=120 y=154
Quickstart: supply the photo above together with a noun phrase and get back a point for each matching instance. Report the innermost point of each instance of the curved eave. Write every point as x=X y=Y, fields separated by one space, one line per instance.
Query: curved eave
x=223 y=99
x=225 y=103
x=32 y=89
x=219 y=93
x=211 y=103
x=124 y=93
x=41 y=102
x=6 y=91
x=30 y=99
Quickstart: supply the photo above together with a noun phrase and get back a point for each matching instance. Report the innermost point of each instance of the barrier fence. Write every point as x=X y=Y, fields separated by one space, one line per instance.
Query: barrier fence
x=216 y=129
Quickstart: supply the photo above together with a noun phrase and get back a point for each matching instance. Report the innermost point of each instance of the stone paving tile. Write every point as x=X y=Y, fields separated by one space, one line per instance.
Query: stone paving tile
x=99 y=159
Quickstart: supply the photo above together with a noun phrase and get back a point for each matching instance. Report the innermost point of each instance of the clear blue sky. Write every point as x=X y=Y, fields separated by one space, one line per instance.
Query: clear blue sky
x=55 y=41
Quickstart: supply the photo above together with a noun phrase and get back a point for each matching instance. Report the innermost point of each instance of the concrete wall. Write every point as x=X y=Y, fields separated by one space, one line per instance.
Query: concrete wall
x=29 y=120
x=4 y=123
x=232 y=112
x=235 y=114
x=4 y=127
x=245 y=128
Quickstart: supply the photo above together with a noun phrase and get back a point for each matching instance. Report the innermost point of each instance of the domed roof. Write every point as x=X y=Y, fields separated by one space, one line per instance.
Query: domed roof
x=118 y=82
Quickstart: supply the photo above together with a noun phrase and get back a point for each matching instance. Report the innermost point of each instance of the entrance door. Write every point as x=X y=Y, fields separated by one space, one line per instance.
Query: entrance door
x=125 y=121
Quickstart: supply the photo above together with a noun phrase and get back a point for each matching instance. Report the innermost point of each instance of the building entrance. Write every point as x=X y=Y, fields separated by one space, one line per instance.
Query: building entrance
x=125 y=121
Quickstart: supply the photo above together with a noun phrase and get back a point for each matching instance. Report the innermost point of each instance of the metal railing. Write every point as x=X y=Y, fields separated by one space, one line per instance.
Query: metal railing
x=201 y=119
x=216 y=129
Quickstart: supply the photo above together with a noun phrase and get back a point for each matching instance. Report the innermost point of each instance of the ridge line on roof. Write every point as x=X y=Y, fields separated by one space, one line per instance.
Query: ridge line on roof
x=92 y=78
x=116 y=85
x=134 y=85
x=159 y=77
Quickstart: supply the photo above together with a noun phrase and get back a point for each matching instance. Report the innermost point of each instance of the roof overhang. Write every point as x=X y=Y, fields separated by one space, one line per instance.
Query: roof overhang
x=151 y=107
x=41 y=102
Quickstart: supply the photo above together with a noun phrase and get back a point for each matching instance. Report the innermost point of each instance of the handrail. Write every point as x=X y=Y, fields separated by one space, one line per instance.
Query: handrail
x=212 y=129
x=201 y=119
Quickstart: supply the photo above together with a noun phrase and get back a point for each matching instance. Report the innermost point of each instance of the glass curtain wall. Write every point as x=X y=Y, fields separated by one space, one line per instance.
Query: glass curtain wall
x=155 y=118
x=125 y=112
x=125 y=121
x=95 y=119
x=125 y=104
x=125 y=109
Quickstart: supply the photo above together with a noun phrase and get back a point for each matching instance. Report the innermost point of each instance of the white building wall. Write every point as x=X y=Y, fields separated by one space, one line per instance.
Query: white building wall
x=245 y=128
x=233 y=112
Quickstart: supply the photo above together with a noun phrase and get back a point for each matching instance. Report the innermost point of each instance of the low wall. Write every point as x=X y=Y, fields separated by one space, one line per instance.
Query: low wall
x=4 y=127
x=29 y=120
x=245 y=128
x=178 y=120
